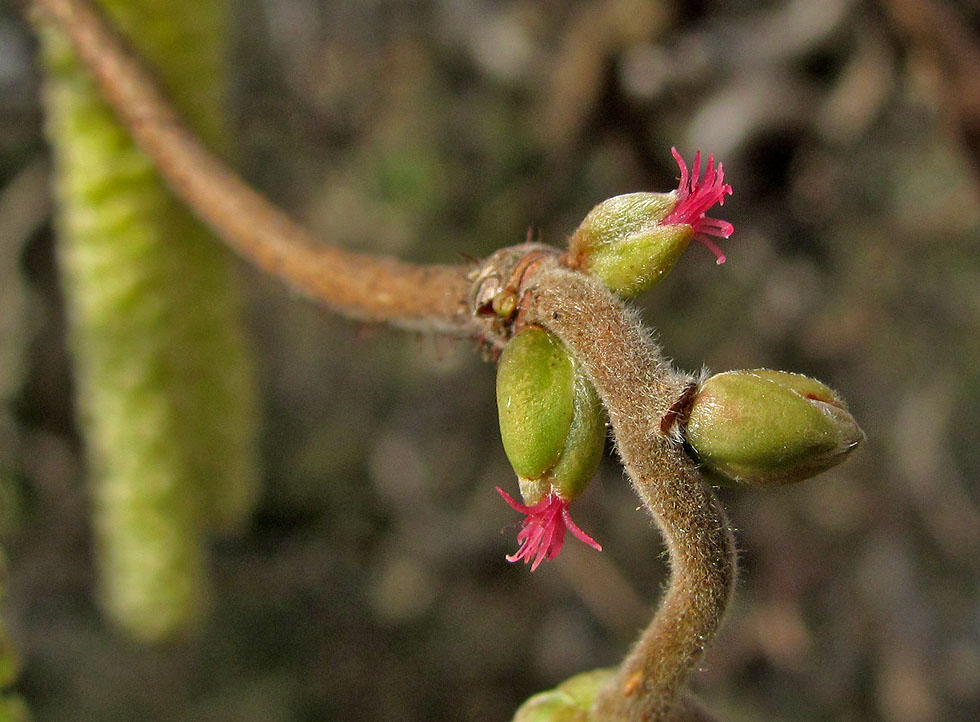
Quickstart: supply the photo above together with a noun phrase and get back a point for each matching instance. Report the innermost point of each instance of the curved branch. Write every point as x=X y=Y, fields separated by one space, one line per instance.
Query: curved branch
x=362 y=286
x=639 y=388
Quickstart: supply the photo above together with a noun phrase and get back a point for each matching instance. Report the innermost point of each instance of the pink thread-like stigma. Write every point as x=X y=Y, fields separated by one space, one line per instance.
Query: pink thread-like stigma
x=543 y=529
x=696 y=196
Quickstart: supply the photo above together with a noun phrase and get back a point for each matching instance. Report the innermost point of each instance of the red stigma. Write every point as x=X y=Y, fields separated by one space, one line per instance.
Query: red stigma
x=696 y=196
x=543 y=529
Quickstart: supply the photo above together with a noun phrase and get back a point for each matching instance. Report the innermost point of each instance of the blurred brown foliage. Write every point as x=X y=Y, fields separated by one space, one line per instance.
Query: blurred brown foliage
x=372 y=584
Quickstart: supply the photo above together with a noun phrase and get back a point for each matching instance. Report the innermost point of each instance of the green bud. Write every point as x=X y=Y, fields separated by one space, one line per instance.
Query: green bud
x=535 y=400
x=571 y=701
x=623 y=242
x=765 y=428
x=551 y=419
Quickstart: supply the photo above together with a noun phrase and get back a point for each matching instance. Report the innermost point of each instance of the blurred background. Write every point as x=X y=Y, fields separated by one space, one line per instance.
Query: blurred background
x=371 y=584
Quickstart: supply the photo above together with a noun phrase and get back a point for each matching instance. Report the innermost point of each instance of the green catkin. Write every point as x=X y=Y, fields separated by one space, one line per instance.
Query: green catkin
x=163 y=378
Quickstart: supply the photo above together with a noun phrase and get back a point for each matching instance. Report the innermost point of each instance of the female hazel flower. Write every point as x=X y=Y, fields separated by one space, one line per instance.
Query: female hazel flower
x=553 y=429
x=630 y=242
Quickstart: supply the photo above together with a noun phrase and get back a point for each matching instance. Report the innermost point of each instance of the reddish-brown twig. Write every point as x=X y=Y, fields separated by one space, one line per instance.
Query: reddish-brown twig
x=639 y=388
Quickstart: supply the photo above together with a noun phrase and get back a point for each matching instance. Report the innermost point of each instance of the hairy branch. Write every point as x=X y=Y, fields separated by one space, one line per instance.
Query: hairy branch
x=362 y=286
x=639 y=388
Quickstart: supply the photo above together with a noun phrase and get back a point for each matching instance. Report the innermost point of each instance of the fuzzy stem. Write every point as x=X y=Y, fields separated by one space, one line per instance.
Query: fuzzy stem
x=362 y=286
x=638 y=387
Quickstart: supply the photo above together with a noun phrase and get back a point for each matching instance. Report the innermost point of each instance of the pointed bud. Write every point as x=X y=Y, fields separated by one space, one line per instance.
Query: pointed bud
x=765 y=428
x=553 y=429
x=535 y=400
x=571 y=701
x=631 y=241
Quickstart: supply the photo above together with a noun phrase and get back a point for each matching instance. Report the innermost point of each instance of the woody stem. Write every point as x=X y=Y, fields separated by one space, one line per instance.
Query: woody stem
x=639 y=388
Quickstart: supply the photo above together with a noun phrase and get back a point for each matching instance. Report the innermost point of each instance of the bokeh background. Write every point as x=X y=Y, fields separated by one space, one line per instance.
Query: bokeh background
x=371 y=584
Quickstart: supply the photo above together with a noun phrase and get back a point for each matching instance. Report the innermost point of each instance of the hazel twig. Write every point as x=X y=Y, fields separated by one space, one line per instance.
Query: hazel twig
x=639 y=387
